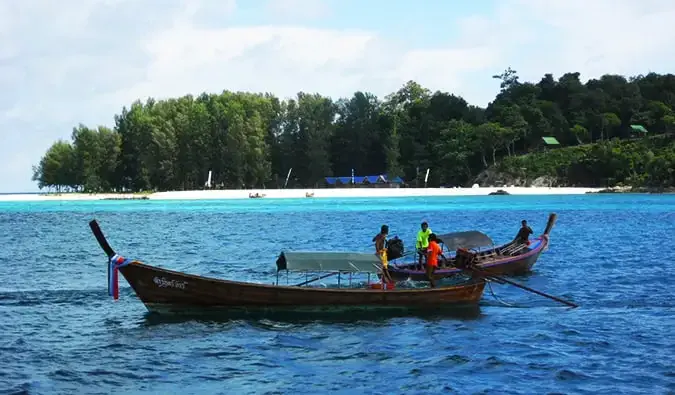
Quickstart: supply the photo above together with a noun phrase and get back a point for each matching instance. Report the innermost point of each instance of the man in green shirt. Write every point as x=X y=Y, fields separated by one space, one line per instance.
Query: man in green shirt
x=423 y=241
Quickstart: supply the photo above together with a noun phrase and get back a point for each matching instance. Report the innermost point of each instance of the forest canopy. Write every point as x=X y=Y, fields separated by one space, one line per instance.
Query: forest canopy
x=608 y=130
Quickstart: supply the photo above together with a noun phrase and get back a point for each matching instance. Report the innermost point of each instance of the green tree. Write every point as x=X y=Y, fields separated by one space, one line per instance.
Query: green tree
x=580 y=133
x=610 y=121
x=57 y=167
x=252 y=140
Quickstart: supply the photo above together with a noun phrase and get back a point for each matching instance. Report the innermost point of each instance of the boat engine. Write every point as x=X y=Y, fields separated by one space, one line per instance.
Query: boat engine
x=395 y=248
x=464 y=258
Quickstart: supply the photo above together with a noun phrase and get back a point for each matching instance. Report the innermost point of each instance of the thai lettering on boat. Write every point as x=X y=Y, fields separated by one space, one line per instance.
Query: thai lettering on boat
x=163 y=283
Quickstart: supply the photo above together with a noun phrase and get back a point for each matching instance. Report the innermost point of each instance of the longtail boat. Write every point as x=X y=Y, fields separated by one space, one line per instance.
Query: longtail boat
x=512 y=258
x=171 y=292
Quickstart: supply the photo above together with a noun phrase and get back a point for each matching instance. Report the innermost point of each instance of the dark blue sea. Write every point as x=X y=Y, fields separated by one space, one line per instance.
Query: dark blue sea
x=60 y=332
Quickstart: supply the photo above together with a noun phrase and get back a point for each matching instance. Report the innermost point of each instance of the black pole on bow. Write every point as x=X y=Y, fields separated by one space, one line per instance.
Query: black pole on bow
x=98 y=233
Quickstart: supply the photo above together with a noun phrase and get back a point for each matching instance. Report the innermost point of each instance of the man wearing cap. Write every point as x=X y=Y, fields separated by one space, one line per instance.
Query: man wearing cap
x=423 y=241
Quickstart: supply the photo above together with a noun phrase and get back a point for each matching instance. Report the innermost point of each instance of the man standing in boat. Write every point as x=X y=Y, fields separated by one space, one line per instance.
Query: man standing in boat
x=381 y=251
x=423 y=241
x=433 y=252
x=524 y=233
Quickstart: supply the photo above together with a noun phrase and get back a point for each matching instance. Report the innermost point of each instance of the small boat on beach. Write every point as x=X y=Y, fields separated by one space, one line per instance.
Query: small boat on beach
x=167 y=291
x=512 y=258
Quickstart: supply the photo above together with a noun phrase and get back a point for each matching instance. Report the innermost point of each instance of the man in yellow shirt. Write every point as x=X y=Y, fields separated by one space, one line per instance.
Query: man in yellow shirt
x=380 y=249
x=423 y=241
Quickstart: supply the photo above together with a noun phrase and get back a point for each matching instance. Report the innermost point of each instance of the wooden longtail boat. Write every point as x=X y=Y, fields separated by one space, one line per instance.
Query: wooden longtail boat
x=167 y=291
x=512 y=258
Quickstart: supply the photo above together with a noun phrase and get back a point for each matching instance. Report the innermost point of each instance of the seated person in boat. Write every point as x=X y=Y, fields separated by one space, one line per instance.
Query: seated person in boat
x=423 y=241
x=433 y=252
x=381 y=251
x=524 y=234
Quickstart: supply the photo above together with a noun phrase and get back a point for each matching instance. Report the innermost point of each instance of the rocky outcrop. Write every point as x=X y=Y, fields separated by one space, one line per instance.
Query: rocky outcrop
x=546 y=181
x=493 y=178
x=628 y=189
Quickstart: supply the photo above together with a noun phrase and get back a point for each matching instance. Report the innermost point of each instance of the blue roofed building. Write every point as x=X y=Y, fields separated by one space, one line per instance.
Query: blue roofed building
x=377 y=181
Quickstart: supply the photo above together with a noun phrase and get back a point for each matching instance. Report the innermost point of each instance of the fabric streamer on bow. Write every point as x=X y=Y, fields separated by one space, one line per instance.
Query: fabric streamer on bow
x=116 y=262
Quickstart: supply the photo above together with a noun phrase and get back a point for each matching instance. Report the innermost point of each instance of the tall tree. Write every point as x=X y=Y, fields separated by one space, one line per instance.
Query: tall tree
x=251 y=140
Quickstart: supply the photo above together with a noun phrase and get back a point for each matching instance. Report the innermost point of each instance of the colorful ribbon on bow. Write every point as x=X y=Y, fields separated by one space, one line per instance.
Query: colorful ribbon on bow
x=116 y=262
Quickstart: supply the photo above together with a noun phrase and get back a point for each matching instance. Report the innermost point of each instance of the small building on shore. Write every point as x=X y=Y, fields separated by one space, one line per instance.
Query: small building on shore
x=378 y=181
x=547 y=143
x=638 y=131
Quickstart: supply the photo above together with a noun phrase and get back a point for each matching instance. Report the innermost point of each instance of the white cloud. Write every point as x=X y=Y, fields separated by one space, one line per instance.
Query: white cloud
x=592 y=37
x=80 y=61
x=298 y=9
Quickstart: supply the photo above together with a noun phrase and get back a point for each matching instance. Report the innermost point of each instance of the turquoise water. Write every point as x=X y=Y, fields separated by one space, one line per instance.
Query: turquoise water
x=61 y=333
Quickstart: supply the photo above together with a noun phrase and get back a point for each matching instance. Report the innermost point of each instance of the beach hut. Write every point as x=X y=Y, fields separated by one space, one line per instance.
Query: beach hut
x=375 y=181
x=331 y=181
x=394 y=182
x=548 y=142
x=638 y=131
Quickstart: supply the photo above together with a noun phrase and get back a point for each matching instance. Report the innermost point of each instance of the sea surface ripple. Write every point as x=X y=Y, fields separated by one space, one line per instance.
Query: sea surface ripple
x=611 y=254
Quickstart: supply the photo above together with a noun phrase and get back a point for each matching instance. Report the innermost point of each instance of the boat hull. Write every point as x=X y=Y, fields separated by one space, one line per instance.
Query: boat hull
x=166 y=291
x=500 y=265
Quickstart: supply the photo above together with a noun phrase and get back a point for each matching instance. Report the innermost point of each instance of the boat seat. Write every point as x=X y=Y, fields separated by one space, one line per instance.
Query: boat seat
x=513 y=249
x=490 y=255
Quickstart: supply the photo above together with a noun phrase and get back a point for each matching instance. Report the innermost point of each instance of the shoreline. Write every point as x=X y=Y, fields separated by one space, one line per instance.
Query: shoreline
x=300 y=193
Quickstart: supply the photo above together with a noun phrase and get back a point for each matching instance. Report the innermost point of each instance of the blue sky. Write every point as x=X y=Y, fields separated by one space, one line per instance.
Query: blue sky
x=71 y=61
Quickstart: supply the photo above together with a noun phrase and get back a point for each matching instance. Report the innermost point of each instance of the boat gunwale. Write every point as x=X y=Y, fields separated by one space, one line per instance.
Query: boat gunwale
x=451 y=288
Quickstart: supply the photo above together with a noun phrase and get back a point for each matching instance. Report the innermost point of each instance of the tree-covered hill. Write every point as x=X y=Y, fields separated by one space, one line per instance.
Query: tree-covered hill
x=252 y=140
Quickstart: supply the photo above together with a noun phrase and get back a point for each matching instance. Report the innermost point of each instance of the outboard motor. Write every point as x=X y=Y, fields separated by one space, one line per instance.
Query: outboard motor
x=395 y=248
x=464 y=258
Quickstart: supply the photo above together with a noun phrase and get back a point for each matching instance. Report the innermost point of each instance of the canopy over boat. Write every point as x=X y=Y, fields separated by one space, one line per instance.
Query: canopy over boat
x=468 y=239
x=328 y=261
x=365 y=262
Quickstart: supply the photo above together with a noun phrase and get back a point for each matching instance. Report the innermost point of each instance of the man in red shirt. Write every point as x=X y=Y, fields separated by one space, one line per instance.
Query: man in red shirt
x=433 y=252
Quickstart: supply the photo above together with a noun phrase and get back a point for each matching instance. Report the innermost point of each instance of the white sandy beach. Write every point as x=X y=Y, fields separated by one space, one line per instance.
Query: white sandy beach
x=301 y=193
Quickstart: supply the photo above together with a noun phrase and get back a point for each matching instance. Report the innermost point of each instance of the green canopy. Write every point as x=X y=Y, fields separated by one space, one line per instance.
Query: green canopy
x=638 y=128
x=550 y=140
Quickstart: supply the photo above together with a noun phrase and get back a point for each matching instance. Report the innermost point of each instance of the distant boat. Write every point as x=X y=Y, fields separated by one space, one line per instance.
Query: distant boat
x=512 y=258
